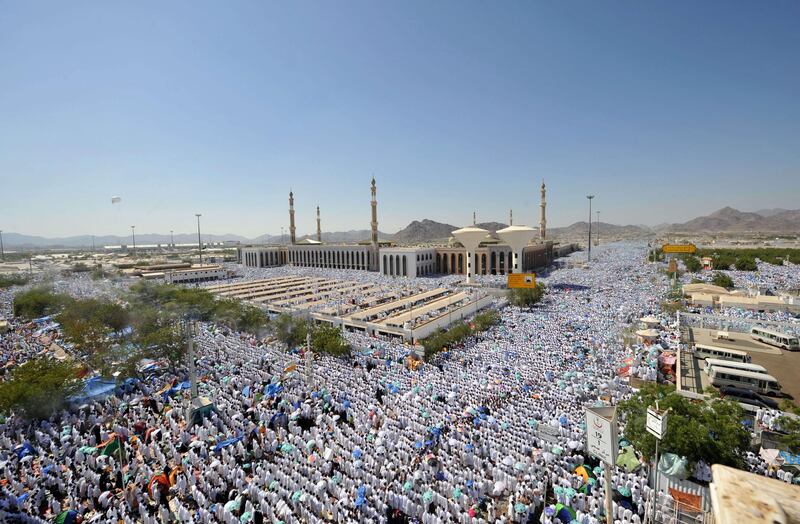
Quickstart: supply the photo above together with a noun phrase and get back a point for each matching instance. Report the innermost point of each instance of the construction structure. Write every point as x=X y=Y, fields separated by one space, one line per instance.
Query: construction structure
x=410 y=313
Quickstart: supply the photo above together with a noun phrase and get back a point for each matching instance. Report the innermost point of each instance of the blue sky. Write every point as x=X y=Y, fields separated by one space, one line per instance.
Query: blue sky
x=664 y=110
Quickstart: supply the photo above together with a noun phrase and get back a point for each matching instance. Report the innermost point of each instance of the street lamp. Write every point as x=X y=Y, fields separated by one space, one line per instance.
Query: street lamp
x=590 y=197
x=199 y=243
x=133 y=234
x=2 y=252
x=172 y=239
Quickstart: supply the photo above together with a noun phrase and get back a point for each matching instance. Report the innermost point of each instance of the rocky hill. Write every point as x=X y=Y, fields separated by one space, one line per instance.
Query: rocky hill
x=423 y=231
x=730 y=220
x=580 y=229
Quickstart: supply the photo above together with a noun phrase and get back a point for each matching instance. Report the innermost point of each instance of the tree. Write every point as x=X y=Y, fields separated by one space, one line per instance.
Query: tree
x=692 y=264
x=89 y=323
x=711 y=431
x=159 y=335
x=327 y=338
x=722 y=261
x=80 y=267
x=722 y=280
x=18 y=279
x=38 y=302
x=790 y=433
x=289 y=330
x=39 y=387
x=746 y=263
x=527 y=297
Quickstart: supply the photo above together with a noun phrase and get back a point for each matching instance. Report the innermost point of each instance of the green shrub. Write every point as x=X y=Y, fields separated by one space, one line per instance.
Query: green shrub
x=527 y=297
x=38 y=302
x=722 y=280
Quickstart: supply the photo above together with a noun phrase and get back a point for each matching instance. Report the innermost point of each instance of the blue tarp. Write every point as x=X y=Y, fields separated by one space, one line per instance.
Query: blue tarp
x=93 y=389
x=790 y=460
x=228 y=442
x=25 y=449
x=176 y=389
x=272 y=390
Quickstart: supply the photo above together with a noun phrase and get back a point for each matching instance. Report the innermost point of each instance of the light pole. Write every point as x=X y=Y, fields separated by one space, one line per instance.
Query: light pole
x=597 y=241
x=2 y=252
x=172 y=239
x=133 y=235
x=590 y=197
x=199 y=244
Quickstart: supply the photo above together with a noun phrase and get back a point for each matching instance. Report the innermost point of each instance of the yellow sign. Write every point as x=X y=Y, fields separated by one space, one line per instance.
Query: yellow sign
x=679 y=248
x=521 y=280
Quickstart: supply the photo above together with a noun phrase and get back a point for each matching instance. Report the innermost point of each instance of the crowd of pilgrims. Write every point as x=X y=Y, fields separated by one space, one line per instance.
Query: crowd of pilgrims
x=490 y=431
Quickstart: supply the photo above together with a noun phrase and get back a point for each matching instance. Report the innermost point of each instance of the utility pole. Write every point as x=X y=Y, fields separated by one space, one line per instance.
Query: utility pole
x=590 y=197
x=133 y=234
x=190 y=329
x=92 y=243
x=309 y=359
x=199 y=243
x=597 y=240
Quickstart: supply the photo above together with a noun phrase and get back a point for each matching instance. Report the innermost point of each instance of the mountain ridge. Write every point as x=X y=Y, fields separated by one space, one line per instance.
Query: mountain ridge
x=726 y=219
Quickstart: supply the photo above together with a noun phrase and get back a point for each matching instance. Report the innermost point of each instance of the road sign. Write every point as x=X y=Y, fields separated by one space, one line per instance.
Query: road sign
x=601 y=433
x=521 y=280
x=547 y=433
x=679 y=248
x=656 y=422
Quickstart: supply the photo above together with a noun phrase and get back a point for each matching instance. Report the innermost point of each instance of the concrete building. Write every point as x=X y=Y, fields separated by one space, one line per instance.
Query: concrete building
x=407 y=261
x=490 y=255
x=262 y=256
x=195 y=274
x=332 y=256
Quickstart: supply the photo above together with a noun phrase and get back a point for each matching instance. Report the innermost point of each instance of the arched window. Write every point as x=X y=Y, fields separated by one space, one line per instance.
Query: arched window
x=385 y=268
x=460 y=263
x=483 y=263
x=452 y=262
x=391 y=265
x=405 y=273
x=443 y=266
x=493 y=263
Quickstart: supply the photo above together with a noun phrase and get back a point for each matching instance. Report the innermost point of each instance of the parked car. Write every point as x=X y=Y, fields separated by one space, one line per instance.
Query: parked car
x=745 y=396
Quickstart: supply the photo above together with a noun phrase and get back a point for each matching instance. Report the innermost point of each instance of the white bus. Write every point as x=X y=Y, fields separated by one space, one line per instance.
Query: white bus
x=775 y=338
x=735 y=355
x=758 y=382
x=731 y=364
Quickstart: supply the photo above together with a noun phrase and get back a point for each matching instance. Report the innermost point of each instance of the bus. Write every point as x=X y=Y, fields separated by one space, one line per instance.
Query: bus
x=758 y=382
x=715 y=362
x=735 y=355
x=775 y=338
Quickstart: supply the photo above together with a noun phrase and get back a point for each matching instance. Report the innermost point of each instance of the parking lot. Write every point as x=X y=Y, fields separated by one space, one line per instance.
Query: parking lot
x=783 y=365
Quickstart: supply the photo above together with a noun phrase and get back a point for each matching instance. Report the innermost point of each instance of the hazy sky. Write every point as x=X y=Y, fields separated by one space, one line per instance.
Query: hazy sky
x=664 y=110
